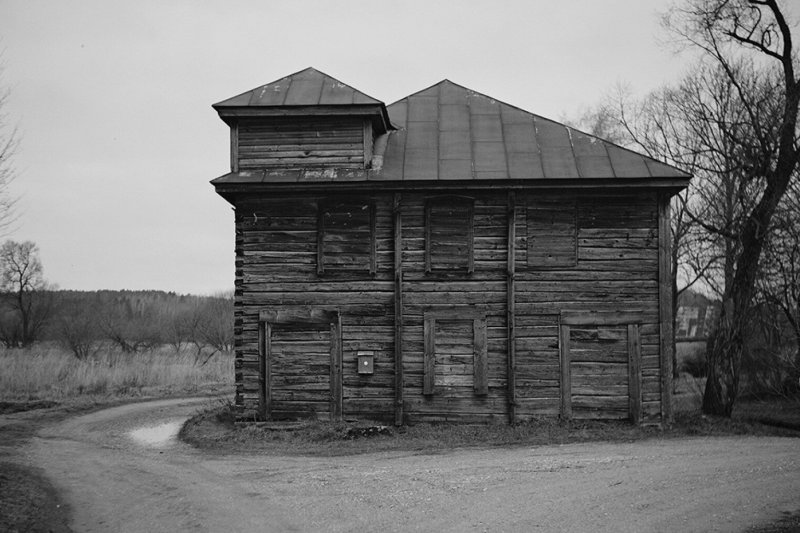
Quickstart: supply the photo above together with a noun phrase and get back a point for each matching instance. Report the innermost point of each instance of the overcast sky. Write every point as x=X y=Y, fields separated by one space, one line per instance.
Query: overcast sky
x=119 y=141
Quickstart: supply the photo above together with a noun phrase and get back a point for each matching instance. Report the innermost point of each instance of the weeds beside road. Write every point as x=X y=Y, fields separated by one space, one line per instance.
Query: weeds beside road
x=46 y=373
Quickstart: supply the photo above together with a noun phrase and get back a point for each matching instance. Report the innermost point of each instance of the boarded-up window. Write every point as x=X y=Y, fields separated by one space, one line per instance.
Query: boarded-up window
x=346 y=237
x=455 y=359
x=449 y=235
x=552 y=235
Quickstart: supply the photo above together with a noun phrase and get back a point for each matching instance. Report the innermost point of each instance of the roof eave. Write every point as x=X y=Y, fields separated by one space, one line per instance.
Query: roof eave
x=377 y=113
x=231 y=185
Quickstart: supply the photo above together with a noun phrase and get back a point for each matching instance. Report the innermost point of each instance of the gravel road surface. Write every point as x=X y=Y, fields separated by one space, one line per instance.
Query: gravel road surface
x=122 y=470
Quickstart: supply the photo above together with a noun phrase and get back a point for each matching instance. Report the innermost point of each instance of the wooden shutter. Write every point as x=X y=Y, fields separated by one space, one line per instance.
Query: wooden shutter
x=455 y=359
x=552 y=235
x=346 y=237
x=449 y=235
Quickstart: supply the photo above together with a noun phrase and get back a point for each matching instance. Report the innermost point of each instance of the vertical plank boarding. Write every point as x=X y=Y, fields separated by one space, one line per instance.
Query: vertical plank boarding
x=336 y=367
x=429 y=329
x=480 y=359
x=264 y=401
x=634 y=373
x=398 y=312
x=566 y=381
x=235 y=147
x=511 y=309
x=665 y=305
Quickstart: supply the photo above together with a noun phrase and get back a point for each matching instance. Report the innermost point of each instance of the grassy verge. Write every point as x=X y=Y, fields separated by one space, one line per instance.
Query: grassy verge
x=44 y=375
x=215 y=430
x=33 y=505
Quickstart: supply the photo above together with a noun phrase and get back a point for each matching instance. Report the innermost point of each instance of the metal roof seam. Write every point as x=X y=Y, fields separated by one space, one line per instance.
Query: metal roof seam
x=287 y=91
x=471 y=139
x=405 y=144
x=538 y=144
x=610 y=161
x=322 y=88
x=439 y=134
x=572 y=147
x=503 y=137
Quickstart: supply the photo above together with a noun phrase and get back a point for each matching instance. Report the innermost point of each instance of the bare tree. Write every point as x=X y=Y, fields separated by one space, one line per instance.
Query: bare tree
x=653 y=126
x=76 y=328
x=212 y=325
x=779 y=284
x=133 y=325
x=26 y=298
x=9 y=141
x=742 y=38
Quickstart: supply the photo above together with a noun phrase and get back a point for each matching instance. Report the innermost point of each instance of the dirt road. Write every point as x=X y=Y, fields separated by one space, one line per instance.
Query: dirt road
x=122 y=470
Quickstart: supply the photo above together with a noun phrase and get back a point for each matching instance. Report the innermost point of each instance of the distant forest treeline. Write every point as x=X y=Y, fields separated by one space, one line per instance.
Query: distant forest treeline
x=131 y=321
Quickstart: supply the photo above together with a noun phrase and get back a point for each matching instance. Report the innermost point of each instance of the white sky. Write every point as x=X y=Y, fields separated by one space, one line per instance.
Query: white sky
x=119 y=141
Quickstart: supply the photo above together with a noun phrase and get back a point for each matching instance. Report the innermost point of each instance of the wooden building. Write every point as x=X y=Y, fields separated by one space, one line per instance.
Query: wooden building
x=446 y=257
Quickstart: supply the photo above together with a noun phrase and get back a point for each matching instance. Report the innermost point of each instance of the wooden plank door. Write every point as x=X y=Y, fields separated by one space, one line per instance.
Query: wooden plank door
x=600 y=369
x=300 y=372
x=301 y=364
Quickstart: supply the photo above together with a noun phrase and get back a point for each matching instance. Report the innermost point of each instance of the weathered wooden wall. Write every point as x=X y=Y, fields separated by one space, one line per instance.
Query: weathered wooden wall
x=307 y=141
x=276 y=268
x=450 y=289
x=599 y=262
x=616 y=272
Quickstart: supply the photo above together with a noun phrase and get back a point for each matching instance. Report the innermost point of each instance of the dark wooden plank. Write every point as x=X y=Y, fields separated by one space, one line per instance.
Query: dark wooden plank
x=635 y=374
x=429 y=362
x=320 y=240
x=398 y=309
x=511 y=364
x=336 y=369
x=481 y=364
x=235 y=146
x=605 y=318
x=264 y=401
x=566 y=383
x=665 y=305
x=368 y=143
x=470 y=237
x=298 y=314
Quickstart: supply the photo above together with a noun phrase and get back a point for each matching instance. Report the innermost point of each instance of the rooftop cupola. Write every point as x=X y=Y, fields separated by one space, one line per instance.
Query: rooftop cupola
x=304 y=121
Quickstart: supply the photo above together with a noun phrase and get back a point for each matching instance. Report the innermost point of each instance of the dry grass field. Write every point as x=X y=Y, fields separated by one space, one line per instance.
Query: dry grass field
x=48 y=374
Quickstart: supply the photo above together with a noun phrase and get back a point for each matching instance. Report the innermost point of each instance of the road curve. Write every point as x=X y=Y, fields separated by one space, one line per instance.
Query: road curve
x=118 y=480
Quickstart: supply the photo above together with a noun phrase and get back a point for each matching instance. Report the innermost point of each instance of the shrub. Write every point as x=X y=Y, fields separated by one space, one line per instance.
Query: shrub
x=695 y=364
x=769 y=372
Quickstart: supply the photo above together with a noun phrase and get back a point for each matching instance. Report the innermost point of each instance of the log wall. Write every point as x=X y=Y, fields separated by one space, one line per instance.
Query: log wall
x=454 y=329
x=616 y=272
x=308 y=142
x=456 y=293
x=276 y=268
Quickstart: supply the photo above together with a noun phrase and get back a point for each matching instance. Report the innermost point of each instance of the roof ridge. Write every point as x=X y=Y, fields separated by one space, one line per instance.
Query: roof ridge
x=254 y=94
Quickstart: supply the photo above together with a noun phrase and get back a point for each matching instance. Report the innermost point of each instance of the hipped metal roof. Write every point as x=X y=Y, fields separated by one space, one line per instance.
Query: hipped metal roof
x=448 y=133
